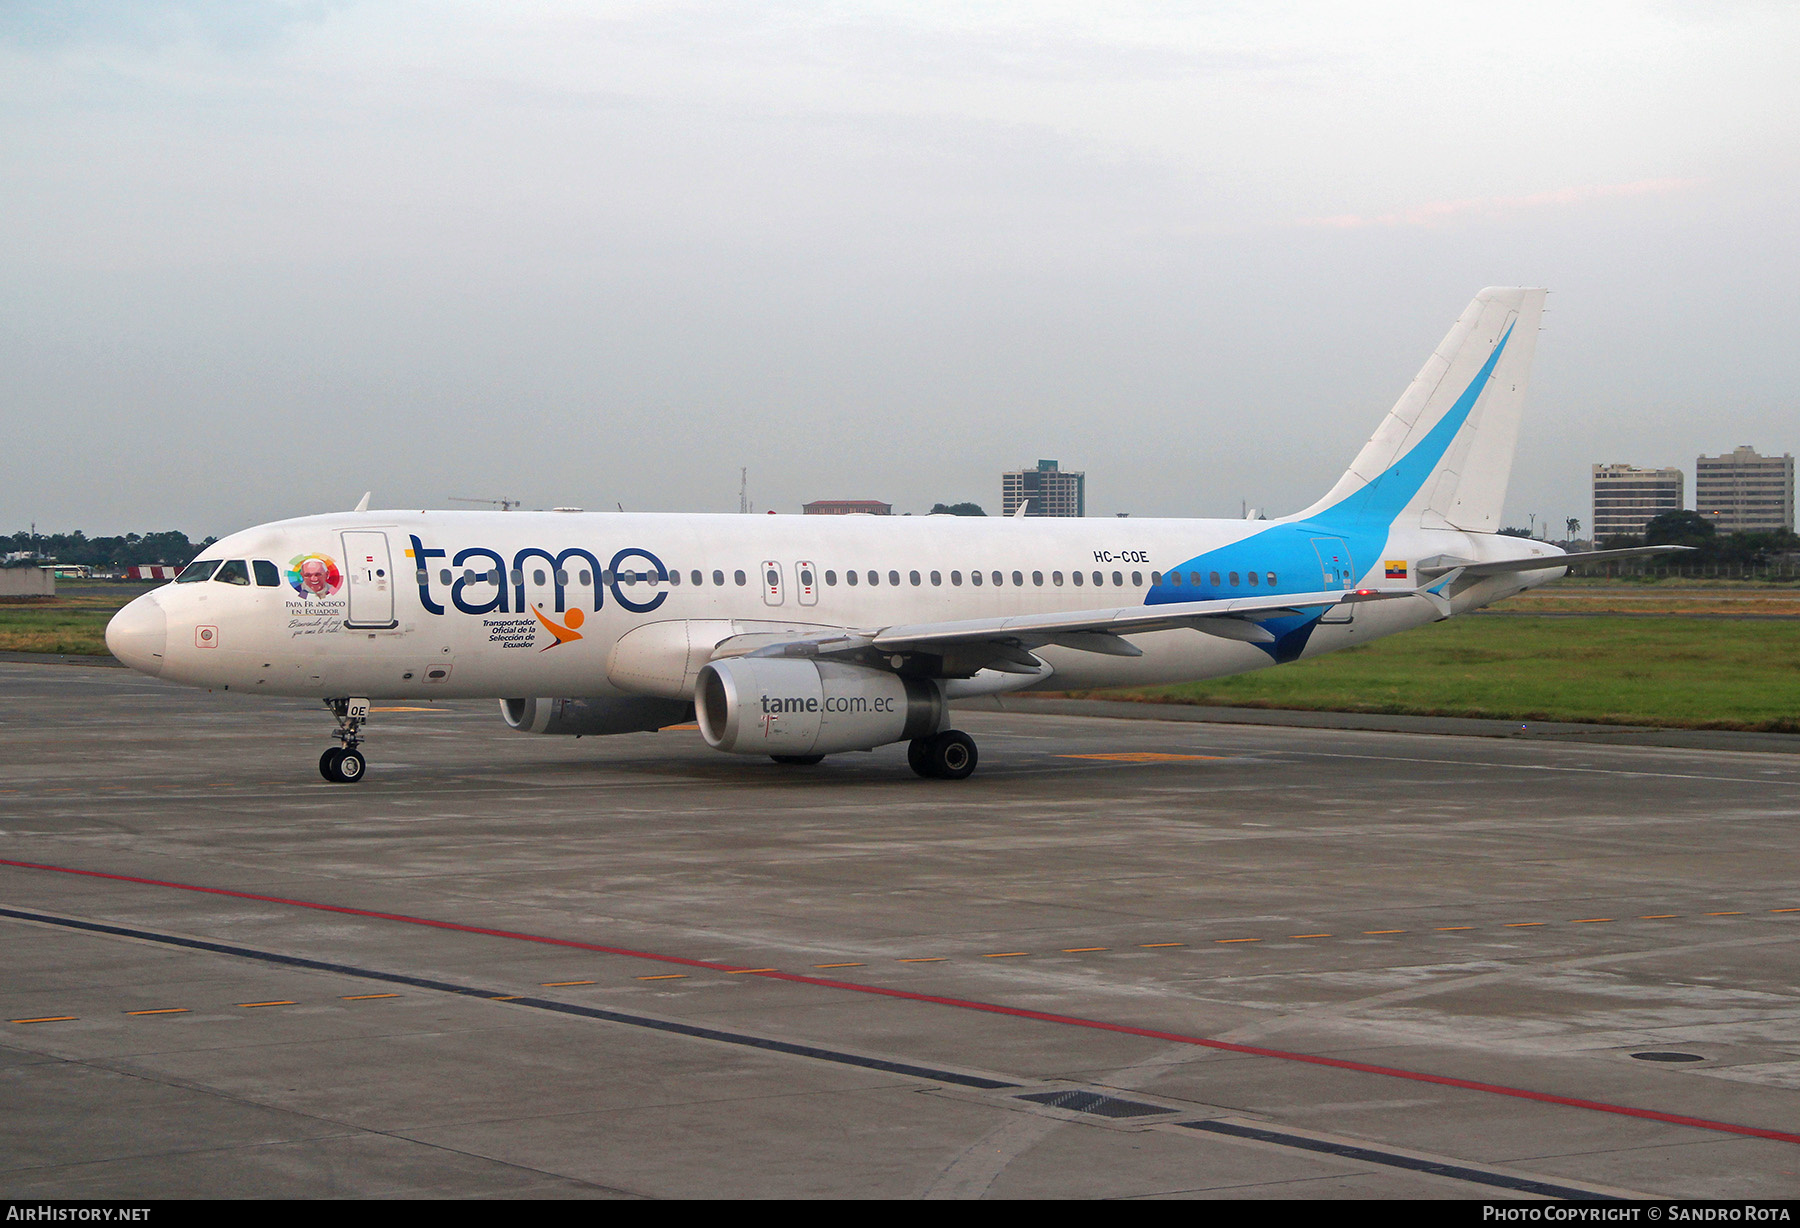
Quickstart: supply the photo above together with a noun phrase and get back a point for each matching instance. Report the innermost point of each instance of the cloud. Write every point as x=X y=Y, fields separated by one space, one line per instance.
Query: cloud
x=1442 y=212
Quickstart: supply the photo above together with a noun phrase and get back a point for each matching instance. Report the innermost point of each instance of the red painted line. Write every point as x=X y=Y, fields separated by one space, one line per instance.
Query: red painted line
x=991 y=1008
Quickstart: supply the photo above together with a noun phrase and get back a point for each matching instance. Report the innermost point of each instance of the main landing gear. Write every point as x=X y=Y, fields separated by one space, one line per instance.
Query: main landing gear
x=949 y=755
x=343 y=765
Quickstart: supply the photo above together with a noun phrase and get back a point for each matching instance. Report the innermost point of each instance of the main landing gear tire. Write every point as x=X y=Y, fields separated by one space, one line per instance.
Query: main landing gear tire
x=342 y=767
x=950 y=755
x=798 y=760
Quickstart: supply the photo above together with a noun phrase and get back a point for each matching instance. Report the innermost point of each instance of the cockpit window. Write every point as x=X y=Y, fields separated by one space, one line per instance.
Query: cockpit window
x=267 y=574
x=199 y=569
x=234 y=572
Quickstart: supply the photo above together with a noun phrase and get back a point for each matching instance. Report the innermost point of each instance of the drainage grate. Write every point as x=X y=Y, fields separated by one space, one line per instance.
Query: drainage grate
x=1098 y=1105
x=1666 y=1056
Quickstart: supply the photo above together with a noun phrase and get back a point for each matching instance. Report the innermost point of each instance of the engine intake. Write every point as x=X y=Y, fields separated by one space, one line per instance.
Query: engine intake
x=594 y=717
x=784 y=706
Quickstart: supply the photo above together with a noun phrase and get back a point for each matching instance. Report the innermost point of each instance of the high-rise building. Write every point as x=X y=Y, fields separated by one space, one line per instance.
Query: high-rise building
x=1627 y=498
x=1052 y=491
x=1743 y=492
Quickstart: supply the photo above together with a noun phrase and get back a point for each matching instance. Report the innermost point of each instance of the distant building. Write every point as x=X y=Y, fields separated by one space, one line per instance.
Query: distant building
x=1743 y=492
x=1052 y=491
x=27 y=581
x=848 y=507
x=1627 y=498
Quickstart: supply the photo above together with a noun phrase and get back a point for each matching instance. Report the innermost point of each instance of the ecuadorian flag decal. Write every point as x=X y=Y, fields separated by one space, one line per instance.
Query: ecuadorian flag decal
x=1396 y=569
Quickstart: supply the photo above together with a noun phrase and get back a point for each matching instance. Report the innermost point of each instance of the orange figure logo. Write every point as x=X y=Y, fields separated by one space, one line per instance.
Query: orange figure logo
x=563 y=634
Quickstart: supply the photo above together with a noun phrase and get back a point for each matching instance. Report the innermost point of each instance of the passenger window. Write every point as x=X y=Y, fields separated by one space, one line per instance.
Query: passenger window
x=956 y=578
x=894 y=578
x=1137 y=579
x=1155 y=578
x=1251 y=576
x=740 y=578
x=537 y=576
x=1174 y=578
x=1099 y=579
x=937 y=578
x=1234 y=579
x=806 y=577
x=518 y=577
x=696 y=578
x=1271 y=579
x=1118 y=580
x=1194 y=578
x=1037 y=578
x=444 y=576
x=999 y=579
x=674 y=577
x=199 y=569
x=562 y=577
x=773 y=578
x=1215 y=579
x=1077 y=577
x=850 y=576
x=234 y=572
x=874 y=577
x=975 y=577
x=831 y=579
x=719 y=579
x=269 y=576
x=914 y=577
x=1056 y=578
x=587 y=577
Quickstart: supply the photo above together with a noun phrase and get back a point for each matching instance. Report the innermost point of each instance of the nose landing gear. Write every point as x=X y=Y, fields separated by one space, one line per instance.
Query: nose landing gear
x=343 y=765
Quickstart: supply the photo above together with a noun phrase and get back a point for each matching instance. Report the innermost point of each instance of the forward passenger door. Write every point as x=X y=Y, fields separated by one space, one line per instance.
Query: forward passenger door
x=369 y=580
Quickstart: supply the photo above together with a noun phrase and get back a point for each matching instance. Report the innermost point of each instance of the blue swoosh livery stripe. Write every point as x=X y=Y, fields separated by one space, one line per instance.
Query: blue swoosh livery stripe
x=1356 y=526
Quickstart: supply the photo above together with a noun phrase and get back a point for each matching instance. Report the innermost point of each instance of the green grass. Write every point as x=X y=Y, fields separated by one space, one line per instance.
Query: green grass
x=1672 y=671
x=73 y=621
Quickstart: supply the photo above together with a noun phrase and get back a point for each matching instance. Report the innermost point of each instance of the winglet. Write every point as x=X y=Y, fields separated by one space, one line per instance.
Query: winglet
x=1020 y=510
x=362 y=504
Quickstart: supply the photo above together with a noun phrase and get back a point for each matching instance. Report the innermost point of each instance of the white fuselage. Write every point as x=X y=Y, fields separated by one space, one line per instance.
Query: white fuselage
x=419 y=604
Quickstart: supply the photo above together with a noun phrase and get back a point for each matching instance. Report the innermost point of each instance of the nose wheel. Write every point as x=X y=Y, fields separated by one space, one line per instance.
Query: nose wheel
x=343 y=765
x=949 y=755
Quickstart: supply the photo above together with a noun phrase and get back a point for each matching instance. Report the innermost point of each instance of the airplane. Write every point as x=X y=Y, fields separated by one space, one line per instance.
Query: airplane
x=801 y=637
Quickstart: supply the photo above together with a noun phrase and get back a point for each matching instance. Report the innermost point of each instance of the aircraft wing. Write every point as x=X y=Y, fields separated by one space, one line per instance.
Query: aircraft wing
x=1006 y=642
x=1231 y=618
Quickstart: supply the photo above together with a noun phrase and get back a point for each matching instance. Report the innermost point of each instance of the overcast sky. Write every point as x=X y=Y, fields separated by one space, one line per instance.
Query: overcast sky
x=258 y=257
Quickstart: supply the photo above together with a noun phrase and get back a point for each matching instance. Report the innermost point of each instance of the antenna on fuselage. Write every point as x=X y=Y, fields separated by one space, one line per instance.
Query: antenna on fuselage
x=505 y=505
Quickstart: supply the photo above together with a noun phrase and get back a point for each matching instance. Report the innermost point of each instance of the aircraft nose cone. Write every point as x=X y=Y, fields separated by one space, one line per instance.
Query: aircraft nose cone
x=139 y=635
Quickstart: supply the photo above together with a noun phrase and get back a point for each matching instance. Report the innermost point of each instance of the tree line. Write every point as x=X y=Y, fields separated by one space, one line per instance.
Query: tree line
x=1709 y=546
x=133 y=548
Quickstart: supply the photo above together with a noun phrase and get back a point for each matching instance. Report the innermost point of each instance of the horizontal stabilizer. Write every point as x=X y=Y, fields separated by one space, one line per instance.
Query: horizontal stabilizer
x=1432 y=568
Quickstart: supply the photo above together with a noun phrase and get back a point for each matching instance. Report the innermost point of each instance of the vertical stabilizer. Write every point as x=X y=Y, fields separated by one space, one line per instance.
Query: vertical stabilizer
x=1443 y=456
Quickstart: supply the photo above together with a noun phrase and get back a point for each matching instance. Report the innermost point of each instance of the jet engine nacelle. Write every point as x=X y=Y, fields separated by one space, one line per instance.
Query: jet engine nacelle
x=788 y=706
x=590 y=717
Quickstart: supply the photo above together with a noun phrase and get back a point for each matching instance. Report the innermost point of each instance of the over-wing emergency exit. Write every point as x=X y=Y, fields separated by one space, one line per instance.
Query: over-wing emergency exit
x=799 y=637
